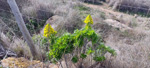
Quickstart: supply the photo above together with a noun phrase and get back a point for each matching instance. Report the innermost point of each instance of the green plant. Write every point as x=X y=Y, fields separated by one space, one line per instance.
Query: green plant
x=82 y=8
x=76 y=42
x=34 y=26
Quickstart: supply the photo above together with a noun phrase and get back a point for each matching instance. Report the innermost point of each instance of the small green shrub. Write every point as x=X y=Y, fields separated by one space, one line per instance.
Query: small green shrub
x=69 y=43
x=84 y=11
x=82 y=8
x=34 y=26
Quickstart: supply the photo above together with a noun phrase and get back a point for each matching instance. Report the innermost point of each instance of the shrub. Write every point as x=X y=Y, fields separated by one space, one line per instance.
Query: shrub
x=69 y=43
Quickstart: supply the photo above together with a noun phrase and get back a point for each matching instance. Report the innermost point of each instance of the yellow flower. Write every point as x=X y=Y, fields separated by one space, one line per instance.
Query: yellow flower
x=88 y=19
x=48 y=30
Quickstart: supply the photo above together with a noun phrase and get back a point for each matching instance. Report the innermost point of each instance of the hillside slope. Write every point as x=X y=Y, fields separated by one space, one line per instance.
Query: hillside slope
x=130 y=37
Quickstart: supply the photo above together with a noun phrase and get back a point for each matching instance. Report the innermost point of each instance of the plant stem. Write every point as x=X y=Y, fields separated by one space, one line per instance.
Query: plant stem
x=92 y=66
x=66 y=61
x=60 y=64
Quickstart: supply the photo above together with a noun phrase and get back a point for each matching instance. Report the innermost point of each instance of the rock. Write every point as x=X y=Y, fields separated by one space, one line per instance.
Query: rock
x=21 y=63
x=53 y=21
x=117 y=24
x=135 y=15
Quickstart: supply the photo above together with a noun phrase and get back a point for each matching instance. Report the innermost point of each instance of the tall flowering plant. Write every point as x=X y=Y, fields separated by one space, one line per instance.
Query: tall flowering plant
x=69 y=43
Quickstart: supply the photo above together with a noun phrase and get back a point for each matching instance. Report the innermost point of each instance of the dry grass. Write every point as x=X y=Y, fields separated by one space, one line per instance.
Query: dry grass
x=67 y=19
x=132 y=46
x=133 y=51
x=21 y=3
x=140 y=7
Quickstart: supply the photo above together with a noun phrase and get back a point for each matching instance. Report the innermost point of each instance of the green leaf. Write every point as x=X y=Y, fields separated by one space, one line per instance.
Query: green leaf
x=94 y=38
x=81 y=42
x=90 y=51
x=44 y=41
x=98 y=59
x=74 y=59
x=101 y=46
x=83 y=56
x=112 y=51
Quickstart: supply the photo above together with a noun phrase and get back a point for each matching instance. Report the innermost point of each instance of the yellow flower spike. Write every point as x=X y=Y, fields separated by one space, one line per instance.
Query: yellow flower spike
x=88 y=19
x=48 y=30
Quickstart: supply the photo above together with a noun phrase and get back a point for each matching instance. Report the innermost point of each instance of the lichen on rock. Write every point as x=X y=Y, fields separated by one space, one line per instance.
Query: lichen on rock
x=13 y=62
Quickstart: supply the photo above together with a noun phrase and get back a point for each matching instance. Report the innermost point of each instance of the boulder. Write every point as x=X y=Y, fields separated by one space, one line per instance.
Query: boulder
x=117 y=24
x=12 y=62
x=54 y=22
x=22 y=62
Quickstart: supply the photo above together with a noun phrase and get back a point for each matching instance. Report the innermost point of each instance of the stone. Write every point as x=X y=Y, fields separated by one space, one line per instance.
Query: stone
x=21 y=62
